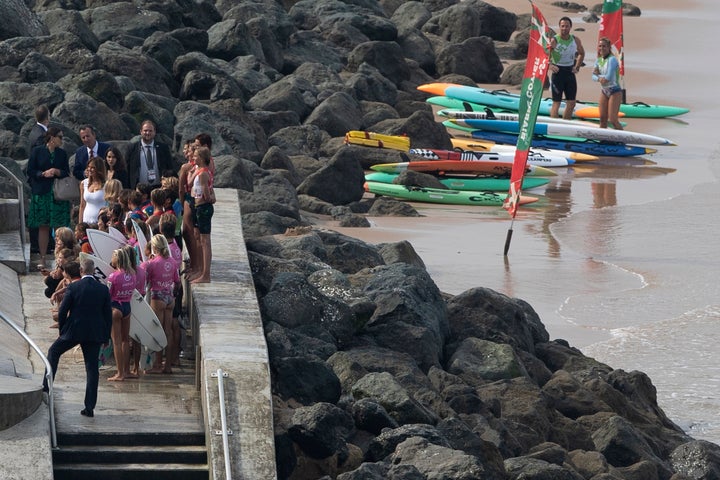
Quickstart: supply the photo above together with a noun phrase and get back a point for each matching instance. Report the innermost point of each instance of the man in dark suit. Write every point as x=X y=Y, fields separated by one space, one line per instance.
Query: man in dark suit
x=90 y=148
x=36 y=137
x=85 y=318
x=148 y=159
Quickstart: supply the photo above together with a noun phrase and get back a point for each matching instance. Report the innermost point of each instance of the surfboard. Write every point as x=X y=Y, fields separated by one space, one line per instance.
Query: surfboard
x=435 y=195
x=117 y=234
x=537 y=158
x=634 y=110
x=591 y=147
x=473 y=144
x=511 y=101
x=566 y=130
x=145 y=327
x=379 y=140
x=447 y=167
x=141 y=240
x=103 y=244
x=488 y=114
x=477 y=183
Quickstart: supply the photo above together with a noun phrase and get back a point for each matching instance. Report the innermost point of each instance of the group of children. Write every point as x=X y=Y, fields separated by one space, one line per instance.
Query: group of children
x=178 y=212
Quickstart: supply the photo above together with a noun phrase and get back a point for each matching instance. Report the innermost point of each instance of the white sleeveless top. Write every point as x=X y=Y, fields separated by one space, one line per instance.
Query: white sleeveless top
x=94 y=201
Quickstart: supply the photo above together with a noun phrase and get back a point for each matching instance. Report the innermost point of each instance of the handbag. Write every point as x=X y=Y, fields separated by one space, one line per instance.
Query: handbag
x=66 y=188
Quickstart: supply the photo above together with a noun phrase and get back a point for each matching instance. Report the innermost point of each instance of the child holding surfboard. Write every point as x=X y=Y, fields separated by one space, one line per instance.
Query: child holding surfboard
x=163 y=278
x=121 y=284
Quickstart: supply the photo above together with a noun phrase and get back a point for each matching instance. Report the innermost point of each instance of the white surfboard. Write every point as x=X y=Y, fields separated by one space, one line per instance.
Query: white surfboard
x=145 y=327
x=511 y=117
x=141 y=239
x=537 y=158
x=103 y=244
x=117 y=234
x=557 y=129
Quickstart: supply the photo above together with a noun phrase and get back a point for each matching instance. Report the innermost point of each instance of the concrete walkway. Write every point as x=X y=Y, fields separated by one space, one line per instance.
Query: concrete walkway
x=226 y=318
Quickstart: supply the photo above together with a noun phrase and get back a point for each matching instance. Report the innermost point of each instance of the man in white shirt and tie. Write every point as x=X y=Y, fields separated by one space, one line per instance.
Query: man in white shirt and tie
x=90 y=148
x=147 y=158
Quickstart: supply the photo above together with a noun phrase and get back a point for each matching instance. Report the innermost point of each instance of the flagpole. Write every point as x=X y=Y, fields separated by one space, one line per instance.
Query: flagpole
x=508 y=238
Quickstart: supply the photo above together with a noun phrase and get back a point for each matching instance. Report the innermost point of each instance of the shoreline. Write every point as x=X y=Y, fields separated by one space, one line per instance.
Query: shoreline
x=444 y=256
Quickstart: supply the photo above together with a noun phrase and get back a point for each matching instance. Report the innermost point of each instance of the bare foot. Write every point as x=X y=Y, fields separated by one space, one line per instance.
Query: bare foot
x=155 y=370
x=54 y=325
x=116 y=378
x=200 y=280
x=132 y=375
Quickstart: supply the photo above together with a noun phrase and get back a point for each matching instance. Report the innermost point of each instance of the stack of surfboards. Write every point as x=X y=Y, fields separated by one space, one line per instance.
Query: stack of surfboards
x=379 y=140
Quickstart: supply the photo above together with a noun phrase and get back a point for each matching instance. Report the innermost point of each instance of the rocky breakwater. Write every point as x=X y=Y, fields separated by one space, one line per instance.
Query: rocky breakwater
x=376 y=373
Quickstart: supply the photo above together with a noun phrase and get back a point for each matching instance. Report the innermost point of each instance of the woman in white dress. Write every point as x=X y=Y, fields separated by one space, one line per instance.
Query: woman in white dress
x=92 y=193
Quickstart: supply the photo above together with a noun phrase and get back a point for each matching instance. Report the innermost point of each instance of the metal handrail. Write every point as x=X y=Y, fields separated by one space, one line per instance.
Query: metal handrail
x=48 y=375
x=21 y=204
x=223 y=423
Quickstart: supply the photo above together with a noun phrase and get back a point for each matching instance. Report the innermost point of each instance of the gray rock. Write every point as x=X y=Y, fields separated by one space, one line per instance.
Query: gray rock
x=124 y=18
x=292 y=301
x=395 y=399
x=24 y=22
x=321 y=430
x=339 y=182
x=348 y=254
x=436 y=461
x=285 y=342
x=98 y=84
x=388 y=207
x=623 y=445
x=474 y=57
x=697 y=459
x=305 y=379
x=400 y=252
x=528 y=467
x=486 y=314
x=147 y=74
x=386 y=56
x=299 y=140
x=79 y=109
x=421 y=127
x=336 y=114
x=477 y=361
x=369 y=84
x=386 y=443
x=370 y=415
x=231 y=38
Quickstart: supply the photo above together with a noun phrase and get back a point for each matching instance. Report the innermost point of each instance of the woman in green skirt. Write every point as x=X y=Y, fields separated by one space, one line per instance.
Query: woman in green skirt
x=47 y=162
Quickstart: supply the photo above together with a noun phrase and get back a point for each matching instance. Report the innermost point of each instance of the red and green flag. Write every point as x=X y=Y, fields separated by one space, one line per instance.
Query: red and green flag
x=536 y=68
x=611 y=26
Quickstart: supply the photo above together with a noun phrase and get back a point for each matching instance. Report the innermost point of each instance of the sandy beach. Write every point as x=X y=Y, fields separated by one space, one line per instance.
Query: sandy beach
x=617 y=259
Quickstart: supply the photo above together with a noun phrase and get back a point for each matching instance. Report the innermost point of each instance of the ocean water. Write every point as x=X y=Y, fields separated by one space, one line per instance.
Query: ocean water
x=620 y=259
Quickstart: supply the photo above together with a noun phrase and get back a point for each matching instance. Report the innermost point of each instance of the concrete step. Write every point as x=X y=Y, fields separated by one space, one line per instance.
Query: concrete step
x=117 y=454
x=112 y=456
x=19 y=398
x=12 y=252
x=143 y=471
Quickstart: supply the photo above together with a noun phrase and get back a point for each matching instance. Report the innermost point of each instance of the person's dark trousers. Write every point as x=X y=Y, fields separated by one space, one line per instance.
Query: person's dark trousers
x=91 y=351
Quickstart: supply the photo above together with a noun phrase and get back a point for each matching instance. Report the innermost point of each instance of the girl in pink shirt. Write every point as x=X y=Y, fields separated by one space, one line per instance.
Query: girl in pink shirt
x=121 y=284
x=162 y=278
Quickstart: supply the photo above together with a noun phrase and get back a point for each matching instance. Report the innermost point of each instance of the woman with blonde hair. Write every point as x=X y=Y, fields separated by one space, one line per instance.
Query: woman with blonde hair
x=92 y=191
x=121 y=283
x=163 y=278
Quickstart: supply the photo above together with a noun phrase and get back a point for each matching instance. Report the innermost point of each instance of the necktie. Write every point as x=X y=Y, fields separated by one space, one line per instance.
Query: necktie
x=148 y=157
x=91 y=154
